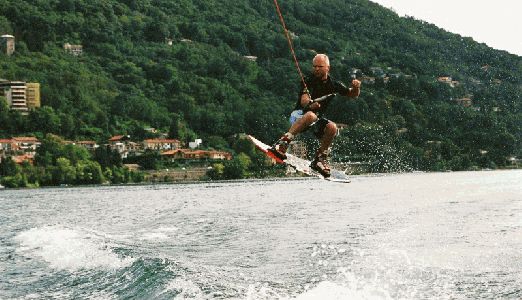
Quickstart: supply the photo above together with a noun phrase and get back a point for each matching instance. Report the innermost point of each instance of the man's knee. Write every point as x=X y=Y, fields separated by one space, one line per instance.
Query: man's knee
x=331 y=128
x=310 y=117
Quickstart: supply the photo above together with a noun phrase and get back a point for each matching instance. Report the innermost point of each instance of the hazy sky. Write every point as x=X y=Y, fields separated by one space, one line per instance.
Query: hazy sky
x=498 y=23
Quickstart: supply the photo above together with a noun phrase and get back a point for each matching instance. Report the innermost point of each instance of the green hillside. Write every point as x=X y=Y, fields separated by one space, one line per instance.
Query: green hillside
x=130 y=78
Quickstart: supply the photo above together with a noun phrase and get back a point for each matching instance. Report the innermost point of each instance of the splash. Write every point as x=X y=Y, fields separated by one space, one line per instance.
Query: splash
x=340 y=291
x=184 y=289
x=69 y=249
x=345 y=286
x=374 y=148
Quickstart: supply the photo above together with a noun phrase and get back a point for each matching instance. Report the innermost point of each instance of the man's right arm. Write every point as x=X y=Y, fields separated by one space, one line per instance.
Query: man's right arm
x=305 y=102
x=305 y=99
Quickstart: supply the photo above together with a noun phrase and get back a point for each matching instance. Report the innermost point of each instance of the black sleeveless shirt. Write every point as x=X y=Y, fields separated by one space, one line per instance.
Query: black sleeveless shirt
x=319 y=88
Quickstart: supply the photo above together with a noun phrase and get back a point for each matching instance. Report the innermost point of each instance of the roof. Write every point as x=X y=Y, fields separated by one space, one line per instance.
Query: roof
x=25 y=139
x=116 y=138
x=201 y=152
x=172 y=152
x=196 y=152
x=86 y=142
x=132 y=166
x=161 y=141
x=21 y=158
x=219 y=152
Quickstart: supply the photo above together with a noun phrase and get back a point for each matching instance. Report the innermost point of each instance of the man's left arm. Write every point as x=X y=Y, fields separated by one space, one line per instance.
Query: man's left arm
x=355 y=90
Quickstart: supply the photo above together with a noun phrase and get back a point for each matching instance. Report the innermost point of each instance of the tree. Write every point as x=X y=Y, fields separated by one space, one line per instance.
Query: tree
x=107 y=157
x=156 y=31
x=180 y=130
x=64 y=173
x=4 y=116
x=16 y=181
x=150 y=160
x=89 y=172
x=216 y=172
x=237 y=168
x=5 y=26
x=8 y=167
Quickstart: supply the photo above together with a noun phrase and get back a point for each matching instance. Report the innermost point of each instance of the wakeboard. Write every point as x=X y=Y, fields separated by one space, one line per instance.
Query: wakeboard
x=299 y=164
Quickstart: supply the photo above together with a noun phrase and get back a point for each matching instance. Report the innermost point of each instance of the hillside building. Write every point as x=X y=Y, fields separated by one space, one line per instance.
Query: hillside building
x=15 y=93
x=368 y=79
x=5 y=148
x=189 y=154
x=196 y=143
x=250 y=57
x=119 y=143
x=21 y=96
x=26 y=144
x=466 y=101
x=6 y=145
x=75 y=50
x=377 y=71
x=7 y=44
x=448 y=80
x=33 y=95
x=161 y=144
x=89 y=145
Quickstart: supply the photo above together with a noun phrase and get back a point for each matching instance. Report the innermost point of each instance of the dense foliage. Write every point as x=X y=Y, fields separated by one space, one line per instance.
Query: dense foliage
x=58 y=163
x=202 y=86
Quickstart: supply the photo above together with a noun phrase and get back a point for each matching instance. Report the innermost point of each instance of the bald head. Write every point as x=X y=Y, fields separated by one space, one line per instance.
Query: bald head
x=321 y=65
x=323 y=58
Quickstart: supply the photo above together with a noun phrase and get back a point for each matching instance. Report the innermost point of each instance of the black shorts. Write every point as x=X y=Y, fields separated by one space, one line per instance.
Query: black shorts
x=319 y=126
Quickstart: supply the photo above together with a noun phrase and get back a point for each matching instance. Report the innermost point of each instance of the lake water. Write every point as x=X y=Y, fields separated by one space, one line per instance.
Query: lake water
x=405 y=236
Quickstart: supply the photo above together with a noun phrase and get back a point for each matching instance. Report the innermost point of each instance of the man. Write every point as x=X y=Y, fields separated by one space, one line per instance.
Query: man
x=308 y=113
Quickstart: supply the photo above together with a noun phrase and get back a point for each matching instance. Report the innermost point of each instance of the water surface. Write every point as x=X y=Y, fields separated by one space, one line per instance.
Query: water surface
x=407 y=236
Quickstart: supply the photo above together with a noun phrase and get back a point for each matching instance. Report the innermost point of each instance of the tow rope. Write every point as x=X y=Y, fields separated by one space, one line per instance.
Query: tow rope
x=287 y=35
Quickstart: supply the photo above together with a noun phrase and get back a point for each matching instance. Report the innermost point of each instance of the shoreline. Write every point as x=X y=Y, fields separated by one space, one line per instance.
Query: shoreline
x=285 y=178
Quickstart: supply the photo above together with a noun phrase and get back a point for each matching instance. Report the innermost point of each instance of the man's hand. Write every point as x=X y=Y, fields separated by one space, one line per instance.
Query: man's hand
x=355 y=90
x=356 y=84
x=314 y=106
x=307 y=103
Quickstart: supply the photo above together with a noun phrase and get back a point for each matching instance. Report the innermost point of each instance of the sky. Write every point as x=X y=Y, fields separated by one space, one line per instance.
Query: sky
x=498 y=23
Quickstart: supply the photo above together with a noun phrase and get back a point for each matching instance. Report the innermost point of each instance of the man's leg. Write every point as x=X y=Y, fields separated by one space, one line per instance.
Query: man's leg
x=320 y=162
x=281 y=146
x=303 y=123
x=330 y=131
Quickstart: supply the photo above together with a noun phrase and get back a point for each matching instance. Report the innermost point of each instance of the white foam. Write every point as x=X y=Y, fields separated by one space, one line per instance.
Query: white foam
x=154 y=236
x=161 y=233
x=343 y=285
x=185 y=289
x=69 y=249
x=334 y=291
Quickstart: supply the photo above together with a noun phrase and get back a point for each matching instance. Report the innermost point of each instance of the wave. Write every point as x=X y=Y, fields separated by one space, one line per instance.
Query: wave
x=348 y=288
x=158 y=234
x=337 y=291
x=69 y=249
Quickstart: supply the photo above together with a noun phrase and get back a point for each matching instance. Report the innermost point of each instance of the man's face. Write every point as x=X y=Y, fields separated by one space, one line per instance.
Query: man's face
x=320 y=68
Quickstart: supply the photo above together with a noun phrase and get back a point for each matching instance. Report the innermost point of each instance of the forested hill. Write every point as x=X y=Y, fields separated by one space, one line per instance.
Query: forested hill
x=129 y=77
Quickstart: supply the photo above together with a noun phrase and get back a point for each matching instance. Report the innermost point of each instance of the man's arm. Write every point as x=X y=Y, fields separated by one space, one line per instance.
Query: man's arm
x=355 y=90
x=306 y=103
x=305 y=100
